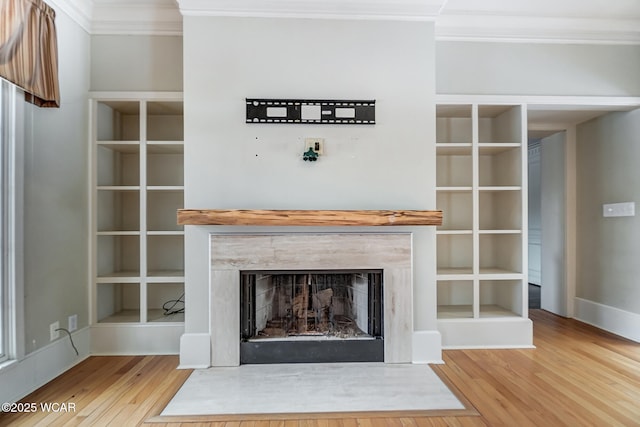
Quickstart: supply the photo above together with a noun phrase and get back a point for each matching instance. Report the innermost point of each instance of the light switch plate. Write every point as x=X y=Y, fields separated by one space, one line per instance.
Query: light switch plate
x=619 y=209
x=316 y=144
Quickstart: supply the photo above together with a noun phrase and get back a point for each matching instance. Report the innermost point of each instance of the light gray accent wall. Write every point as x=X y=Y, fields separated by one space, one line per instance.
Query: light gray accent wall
x=252 y=166
x=56 y=196
x=537 y=69
x=553 y=214
x=231 y=164
x=608 y=249
x=136 y=63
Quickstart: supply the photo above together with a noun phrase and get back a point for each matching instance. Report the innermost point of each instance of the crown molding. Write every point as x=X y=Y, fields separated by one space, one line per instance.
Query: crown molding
x=137 y=17
x=494 y=28
x=164 y=17
x=79 y=11
x=409 y=10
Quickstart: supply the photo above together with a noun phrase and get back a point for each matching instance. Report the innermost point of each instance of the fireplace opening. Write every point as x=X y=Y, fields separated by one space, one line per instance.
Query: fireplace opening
x=311 y=316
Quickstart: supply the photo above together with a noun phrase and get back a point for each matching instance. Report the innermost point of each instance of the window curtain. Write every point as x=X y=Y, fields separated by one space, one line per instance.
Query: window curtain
x=29 y=50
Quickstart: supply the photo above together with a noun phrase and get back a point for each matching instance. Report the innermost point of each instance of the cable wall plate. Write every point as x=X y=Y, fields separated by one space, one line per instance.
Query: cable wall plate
x=311 y=111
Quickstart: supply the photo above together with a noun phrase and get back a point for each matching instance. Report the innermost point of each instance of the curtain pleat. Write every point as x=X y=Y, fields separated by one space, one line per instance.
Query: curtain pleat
x=29 y=50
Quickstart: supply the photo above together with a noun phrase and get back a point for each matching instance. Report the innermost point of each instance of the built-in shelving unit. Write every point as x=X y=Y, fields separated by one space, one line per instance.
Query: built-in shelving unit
x=481 y=245
x=138 y=185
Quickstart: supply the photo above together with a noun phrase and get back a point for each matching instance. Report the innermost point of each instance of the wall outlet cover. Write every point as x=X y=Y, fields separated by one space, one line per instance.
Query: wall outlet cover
x=53 y=333
x=73 y=322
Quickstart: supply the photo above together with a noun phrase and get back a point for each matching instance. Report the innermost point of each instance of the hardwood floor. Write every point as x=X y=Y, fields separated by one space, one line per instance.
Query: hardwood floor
x=577 y=376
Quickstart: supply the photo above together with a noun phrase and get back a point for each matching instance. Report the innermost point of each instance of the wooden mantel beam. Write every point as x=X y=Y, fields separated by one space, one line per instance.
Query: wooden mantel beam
x=325 y=218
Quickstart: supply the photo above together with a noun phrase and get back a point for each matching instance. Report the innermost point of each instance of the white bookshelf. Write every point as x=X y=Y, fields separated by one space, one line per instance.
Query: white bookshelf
x=481 y=245
x=138 y=184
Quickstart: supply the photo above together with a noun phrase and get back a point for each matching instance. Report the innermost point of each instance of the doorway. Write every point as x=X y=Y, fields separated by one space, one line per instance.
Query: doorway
x=547 y=222
x=554 y=129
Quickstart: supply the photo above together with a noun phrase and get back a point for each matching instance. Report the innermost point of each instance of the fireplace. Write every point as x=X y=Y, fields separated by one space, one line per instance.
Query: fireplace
x=237 y=257
x=311 y=316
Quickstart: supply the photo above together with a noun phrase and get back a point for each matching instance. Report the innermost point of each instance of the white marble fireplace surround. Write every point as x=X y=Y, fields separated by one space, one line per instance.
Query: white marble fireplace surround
x=232 y=253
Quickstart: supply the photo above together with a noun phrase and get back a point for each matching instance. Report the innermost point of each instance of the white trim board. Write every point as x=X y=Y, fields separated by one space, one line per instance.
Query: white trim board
x=427 y=347
x=527 y=29
x=612 y=319
x=411 y=10
x=164 y=17
x=149 y=96
x=80 y=11
x=24 y=376
x=135 y=339
x=538 y=102
x=514 y=332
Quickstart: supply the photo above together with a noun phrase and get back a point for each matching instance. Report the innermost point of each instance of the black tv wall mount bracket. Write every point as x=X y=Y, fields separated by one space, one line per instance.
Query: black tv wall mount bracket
x=311 y=111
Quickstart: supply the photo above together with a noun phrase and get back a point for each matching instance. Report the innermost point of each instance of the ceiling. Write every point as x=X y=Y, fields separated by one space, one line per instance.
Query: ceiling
x=544 y=121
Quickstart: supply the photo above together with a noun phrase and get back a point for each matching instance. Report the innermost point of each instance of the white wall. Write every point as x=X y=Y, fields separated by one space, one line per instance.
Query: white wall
x=608 y=150
x=537 y=69
x=136 y=63
x=55 y=196
x=535 y=222
x=230 y=164
x=55 y=223
x=553 y=224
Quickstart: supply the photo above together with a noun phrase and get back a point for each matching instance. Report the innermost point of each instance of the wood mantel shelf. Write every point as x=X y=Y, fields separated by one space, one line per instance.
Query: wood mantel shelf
x=308 y=217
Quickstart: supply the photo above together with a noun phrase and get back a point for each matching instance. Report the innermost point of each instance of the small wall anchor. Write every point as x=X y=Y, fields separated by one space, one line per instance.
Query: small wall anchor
x=310 y=155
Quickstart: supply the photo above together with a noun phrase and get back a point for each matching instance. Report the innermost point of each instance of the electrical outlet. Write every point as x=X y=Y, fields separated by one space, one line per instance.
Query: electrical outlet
x=316 y=144
x=73 y=322
x=52 y=330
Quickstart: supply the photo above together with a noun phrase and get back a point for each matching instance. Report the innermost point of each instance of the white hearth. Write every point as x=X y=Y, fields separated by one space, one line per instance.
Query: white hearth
x=232 y=253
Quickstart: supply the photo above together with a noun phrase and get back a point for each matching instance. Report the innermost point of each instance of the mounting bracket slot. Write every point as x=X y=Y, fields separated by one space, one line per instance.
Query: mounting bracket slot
x=311 y=111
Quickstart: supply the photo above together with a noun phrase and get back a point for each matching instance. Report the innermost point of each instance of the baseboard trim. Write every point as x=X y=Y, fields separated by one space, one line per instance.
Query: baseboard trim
x=25 y=376
x=195 y=351
x=611 y=319
x=116 y=339
x=488 y=347
x=427 y=347
x=486 y=333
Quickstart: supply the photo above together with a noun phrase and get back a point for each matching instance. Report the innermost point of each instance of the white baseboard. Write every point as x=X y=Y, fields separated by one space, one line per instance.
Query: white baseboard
x=195 y=351
x=427 y=347
x=24 y=376
x=113 y=339
x=514 y=332
x=612 y=319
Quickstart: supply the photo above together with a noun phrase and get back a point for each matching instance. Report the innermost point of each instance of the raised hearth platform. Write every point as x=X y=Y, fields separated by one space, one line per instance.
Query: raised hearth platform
x=308 y=217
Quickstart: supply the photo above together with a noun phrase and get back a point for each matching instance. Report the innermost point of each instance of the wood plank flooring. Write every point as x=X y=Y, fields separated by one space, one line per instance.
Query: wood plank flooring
x=577 y=376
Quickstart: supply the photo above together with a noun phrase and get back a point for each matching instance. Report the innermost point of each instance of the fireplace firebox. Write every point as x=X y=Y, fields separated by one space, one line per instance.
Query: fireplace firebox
x=311 y=316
